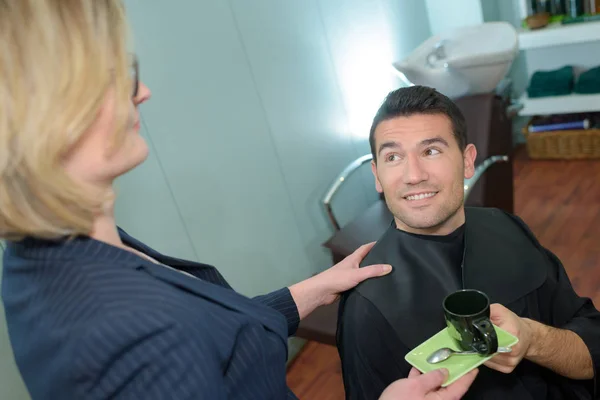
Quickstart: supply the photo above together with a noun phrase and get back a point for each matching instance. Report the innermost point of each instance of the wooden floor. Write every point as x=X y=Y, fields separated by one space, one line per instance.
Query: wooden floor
x=559 y=200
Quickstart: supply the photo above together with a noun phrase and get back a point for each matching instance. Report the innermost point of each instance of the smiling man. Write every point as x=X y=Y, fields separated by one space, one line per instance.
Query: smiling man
x=424 y=192
x=437 y=246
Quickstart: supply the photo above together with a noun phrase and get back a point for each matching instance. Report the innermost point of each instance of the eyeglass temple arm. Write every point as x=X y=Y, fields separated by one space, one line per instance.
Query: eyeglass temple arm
x=354 y=165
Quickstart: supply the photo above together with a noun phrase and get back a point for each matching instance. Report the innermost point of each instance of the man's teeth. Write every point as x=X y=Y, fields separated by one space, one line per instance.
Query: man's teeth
x=420 y=196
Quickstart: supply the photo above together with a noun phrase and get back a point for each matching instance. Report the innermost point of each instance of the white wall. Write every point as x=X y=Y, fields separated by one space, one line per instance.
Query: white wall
x=445 y=15
x=257 y=106
x=490 y=10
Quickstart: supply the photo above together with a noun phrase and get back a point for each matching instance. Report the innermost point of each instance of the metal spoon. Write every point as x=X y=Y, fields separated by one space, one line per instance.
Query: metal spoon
x=445 y=352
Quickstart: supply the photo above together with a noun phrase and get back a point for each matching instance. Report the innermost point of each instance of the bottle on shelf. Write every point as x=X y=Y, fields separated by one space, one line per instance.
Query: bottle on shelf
x=574 y=8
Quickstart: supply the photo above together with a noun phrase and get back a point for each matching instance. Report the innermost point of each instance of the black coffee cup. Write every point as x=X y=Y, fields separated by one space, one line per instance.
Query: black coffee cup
x=467 y=315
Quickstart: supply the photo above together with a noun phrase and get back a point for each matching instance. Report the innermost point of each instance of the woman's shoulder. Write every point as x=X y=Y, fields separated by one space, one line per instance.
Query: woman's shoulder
x=74 y=286
x=69 y=291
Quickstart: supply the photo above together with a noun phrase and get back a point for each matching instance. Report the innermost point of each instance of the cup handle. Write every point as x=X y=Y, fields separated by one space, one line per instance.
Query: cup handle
x=487 y=331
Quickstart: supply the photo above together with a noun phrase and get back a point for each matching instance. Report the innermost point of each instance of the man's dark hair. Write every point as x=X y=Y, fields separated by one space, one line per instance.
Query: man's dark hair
x=414 y=100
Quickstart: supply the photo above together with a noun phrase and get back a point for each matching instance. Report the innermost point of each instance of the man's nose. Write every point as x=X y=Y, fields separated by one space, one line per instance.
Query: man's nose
x=414 y=173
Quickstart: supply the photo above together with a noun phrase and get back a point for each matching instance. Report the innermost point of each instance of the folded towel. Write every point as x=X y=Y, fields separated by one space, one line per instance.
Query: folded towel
x=552 y=83
x=589 y=81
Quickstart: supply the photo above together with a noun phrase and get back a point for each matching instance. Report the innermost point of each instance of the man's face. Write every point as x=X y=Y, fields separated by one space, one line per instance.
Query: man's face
x=421 y=171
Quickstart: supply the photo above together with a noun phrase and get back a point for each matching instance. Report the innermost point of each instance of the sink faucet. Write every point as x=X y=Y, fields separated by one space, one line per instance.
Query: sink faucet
x=438 y=53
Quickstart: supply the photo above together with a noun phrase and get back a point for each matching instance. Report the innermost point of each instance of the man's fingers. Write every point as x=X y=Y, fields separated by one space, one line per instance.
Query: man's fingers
x=432 y=380
x=501 y=358
x=495 y=365
x=372 y=271
x=458 y=389
x=500 y=367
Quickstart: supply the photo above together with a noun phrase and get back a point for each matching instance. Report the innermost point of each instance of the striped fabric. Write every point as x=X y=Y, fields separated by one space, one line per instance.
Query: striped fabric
x=91 y=321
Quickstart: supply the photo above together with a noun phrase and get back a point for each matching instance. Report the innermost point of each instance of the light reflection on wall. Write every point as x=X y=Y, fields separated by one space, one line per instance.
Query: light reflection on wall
x=372 y=82
x=364 y=38
x=366 y=76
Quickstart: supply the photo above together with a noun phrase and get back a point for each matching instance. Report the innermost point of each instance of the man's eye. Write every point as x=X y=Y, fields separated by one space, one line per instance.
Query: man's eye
x=432 y=152
x=392 y=157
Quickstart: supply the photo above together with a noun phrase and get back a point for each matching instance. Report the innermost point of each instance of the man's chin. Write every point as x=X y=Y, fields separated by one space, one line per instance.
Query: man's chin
x=418 y=226
x=421 y=221
x=431 y=217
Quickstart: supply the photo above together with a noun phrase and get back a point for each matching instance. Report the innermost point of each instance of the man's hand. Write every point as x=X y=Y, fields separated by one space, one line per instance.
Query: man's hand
x=510 y=322
x=327 y=286
x=559 y=350
x=428 y=386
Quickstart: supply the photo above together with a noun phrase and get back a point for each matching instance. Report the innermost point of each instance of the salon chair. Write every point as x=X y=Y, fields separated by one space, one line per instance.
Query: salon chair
x=489 y=128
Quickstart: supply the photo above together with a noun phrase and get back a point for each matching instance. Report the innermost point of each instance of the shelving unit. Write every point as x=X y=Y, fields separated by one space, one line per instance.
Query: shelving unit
x=554 y=46
x=573 y=103
x=558 y=34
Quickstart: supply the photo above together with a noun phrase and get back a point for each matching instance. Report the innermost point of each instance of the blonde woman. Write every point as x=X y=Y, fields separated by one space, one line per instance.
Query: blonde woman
x=93 y=313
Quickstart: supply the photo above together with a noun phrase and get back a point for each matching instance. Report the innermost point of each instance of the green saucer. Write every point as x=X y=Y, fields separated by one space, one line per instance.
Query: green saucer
x=457 y=365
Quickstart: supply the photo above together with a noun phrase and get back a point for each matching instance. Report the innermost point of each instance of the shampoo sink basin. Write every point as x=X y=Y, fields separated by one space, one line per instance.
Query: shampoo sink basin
x=464 y=61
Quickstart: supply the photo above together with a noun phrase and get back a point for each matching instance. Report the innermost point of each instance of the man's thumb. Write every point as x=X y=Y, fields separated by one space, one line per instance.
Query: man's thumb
x=497 y=313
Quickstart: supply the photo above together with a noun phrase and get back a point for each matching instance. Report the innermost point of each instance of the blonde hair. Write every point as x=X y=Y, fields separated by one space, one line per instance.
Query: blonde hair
x=57 y=60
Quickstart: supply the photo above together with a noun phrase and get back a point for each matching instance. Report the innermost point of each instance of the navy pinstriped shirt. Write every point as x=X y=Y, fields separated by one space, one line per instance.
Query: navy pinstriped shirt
x=91 y=321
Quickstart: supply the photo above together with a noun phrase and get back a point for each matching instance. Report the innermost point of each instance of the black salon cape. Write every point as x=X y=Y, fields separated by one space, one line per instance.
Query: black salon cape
x=382 y=319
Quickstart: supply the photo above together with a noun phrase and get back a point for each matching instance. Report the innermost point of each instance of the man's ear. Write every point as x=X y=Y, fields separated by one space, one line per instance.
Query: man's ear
x=377 y=183
x=469 y=156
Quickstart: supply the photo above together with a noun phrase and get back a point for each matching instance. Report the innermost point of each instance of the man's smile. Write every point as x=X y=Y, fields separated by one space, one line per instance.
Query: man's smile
x=419 y=196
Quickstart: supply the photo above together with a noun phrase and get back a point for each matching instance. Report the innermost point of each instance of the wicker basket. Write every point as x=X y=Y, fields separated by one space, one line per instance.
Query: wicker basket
x=563 y=145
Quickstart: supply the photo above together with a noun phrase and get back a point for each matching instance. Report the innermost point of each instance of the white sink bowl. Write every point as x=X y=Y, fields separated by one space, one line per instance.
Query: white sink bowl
x=464 y=61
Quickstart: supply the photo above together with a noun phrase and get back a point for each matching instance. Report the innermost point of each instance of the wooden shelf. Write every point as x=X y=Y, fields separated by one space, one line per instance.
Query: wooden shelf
x=557 y=34
x=573 y=103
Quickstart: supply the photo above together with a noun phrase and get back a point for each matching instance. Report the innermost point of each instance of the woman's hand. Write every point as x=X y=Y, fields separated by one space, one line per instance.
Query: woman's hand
x=326 y=287
x=428 y=386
